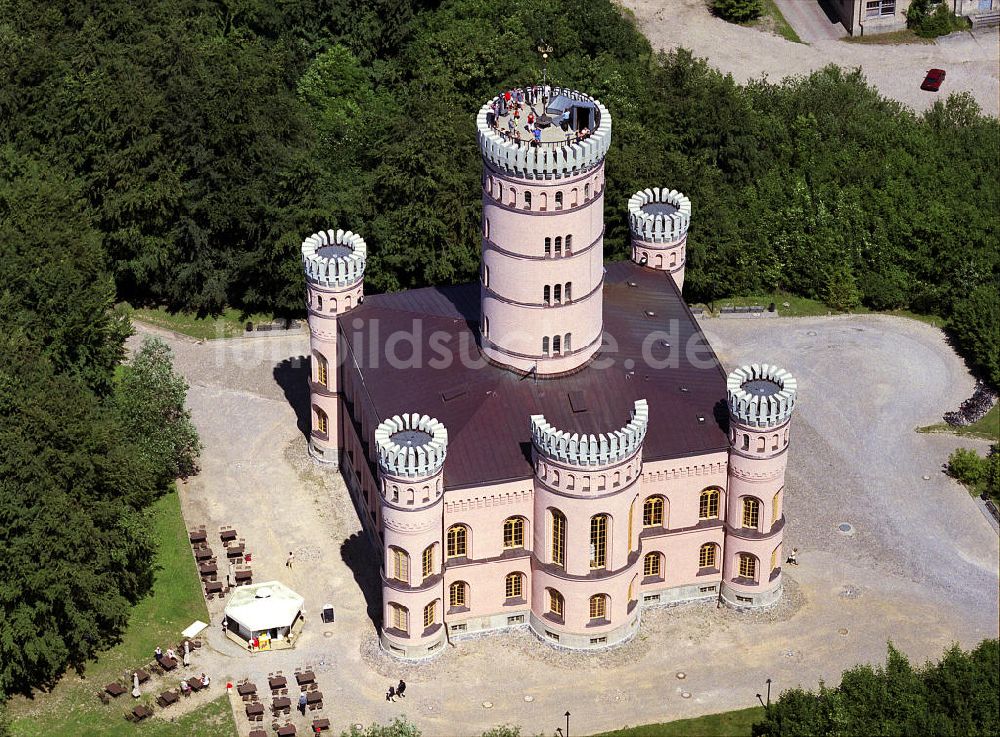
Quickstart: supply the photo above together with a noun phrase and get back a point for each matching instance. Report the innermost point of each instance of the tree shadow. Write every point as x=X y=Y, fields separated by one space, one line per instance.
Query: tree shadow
x=721 y=413
x=292 y=375
x=357 y=552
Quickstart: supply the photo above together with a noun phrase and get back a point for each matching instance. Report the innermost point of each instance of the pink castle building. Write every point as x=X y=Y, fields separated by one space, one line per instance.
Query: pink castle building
x=556 y=447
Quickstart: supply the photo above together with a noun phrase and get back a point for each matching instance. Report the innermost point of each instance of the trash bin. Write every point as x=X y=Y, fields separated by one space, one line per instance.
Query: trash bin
x=327 y=613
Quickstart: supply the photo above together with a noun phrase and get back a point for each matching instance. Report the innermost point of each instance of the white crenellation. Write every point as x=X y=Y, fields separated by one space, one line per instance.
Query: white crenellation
x=659 y=228
x=591 y=450
x=336 y=271
x=769 y=410
x=549 y=161
x=411 y=461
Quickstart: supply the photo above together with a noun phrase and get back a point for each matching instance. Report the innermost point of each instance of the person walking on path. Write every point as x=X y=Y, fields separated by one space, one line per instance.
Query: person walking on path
x=302 y=704
x=390 y=695
x=291 y=557
x=401 y=688
x=793 y=557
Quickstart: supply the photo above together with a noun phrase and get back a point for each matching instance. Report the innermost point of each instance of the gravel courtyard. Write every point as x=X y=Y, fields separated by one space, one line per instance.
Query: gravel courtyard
x=920 y=566
x=896 y=70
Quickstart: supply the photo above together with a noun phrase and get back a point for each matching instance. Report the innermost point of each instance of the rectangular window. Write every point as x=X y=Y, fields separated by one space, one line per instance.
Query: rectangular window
x=707 y=589
x=558 y=539
x=322 y=424
x=516 y=619
x=321 y=370
x=745 y=599
x=400 y=618
x=598 y=640
x=430 y=614
x=650 y=598
x=459 y=627
x=598 y=541
x=552 y=636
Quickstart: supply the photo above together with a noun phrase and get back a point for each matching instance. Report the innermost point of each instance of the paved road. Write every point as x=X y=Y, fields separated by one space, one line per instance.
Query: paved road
x=920 y=567
x=896 y=70
x=810 y=21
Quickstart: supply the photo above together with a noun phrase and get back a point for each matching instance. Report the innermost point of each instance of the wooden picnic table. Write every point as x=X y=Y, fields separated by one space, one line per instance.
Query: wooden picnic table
x=198 y=536
x=227 y=535
x=234 y=551
x=168 y=663
x=281 y=703
x=287 y=731
x=244 y=574
x=166 y=698
x=141 y=712
x=202 y=553
x=255 y=709
x=246 y=689
x=305 y=677
x=213 y=587
x=115 y=689
x=143 y=675
x=276 y=682
x=258 y=733
x=195 y=683
x=313 y=696
x=320 y=724
x=207 y=569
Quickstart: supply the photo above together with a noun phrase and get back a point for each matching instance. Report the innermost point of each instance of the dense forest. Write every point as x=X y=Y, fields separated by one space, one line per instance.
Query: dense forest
x=205 y=138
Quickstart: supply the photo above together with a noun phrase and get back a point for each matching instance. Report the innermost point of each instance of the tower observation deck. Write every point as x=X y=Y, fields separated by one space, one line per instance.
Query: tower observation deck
x=543 y=228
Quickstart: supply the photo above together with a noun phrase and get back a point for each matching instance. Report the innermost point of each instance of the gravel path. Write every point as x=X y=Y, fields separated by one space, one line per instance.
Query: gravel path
x=920 y=567
x=896 y=70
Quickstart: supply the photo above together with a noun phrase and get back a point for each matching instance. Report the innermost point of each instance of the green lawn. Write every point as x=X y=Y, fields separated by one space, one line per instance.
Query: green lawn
x=229 y=324
x=774 y=20
x=72 y=707
x=805 y=307
x=726 y=724
x=987 y=428
x=906 y=36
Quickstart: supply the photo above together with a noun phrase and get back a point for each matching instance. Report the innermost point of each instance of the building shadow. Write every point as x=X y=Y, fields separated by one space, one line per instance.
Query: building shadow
x=292 y=375
x=721 y=413
x=357 y=552
x=829 y=11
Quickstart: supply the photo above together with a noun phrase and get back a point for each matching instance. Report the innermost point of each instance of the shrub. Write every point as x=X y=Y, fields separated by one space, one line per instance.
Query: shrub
x=738 y=11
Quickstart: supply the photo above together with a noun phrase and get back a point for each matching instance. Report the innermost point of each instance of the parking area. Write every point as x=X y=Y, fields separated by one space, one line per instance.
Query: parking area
x=918 y=564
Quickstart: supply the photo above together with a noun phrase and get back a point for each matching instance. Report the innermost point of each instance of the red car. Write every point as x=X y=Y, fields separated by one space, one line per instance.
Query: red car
x=932 y=82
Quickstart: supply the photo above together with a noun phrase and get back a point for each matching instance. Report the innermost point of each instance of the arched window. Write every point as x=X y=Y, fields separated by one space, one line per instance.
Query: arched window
x=586 y=192
x=486 y=326
x=513 y=532
x=399 y=617
x=631 y=589
x=319 y=302
x=673 y=258
x=652 y=565
x=543 y=201
x=486 y=227
x=513 y=197
x=708 y=504
x=322 y=369
x=748 y=566
x=569 y=244
x=761 y=444
x=602 y=482
x=599 y=606
x=598 y=541
x=616 y=480
x=548 y=246
x=774 y=441
x=558 y=550
x=559 y=200
x=500 y=191
x=557 y=293
x=574 y=197
x=566 y=342
x=706 y=555
x=400 y=565
x=556 y=603
x=430 y=614
x=322 y=422
x=569 y=290
x=631 y=515
x=458 y=541
x=659 y=260
x=556 y=345
x=746 y=442
x=558 y=245
x=547 y=294
x=545 y=345
x=751 y=512
x=652 y=512
x=774 y=557
x=486 y=275
x=570 y=478
x=527 y=200
x=514 y=586
x=458 y=595
x=776 y=507
x=427 y=561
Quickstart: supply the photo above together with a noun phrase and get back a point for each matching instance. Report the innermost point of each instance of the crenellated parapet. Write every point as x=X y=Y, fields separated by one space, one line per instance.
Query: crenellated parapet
x=591 y=450
x=550 y=159
x=334 y=259
x=659 y=215
x=761 y=395
x=411 y=446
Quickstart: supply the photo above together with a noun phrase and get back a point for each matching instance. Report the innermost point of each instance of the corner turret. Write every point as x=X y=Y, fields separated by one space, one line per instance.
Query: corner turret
x=658 y=220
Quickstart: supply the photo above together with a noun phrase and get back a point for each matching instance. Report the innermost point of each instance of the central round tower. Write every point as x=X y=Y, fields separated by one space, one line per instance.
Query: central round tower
x=542 y=273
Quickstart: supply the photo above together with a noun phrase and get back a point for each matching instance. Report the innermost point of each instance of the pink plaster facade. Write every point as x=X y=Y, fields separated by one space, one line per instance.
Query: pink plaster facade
x=522 y=552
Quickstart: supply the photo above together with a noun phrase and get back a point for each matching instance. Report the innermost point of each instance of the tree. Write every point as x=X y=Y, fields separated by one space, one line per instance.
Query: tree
x=150 y=399
x=738 y=11
x=400 y=727
x=975 y=325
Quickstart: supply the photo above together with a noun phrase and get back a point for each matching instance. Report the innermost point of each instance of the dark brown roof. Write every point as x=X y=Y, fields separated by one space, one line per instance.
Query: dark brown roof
x=487 y=410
